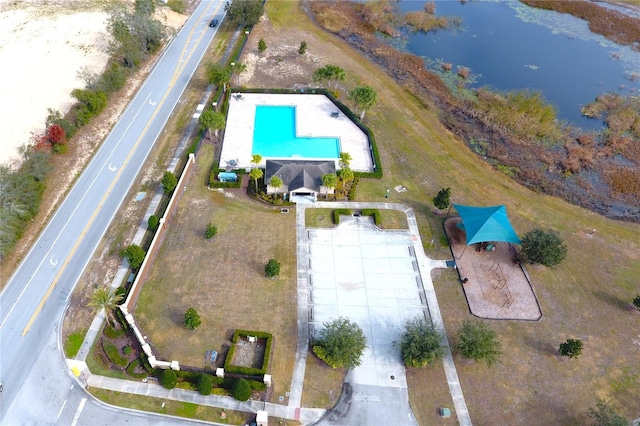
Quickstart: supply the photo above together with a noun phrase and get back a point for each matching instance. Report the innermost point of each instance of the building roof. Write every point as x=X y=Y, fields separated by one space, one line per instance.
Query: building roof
x=299 y=174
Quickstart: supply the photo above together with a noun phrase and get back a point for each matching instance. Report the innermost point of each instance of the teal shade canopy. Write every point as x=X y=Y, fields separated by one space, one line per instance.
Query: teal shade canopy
x=486 y=224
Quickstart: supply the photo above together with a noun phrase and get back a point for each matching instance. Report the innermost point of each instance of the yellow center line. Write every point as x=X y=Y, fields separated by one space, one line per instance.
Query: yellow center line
x=114 y=181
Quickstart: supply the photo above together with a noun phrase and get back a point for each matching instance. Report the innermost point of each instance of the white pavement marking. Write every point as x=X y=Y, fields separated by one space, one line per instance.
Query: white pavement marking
x=61 y=408
x=78 y=412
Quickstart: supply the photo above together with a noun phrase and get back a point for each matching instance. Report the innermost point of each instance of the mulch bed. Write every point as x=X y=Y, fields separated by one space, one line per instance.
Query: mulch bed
x=496 y=285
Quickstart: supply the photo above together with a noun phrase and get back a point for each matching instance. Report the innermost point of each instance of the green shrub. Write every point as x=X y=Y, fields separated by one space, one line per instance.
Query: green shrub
x=127 y=350
x=134 y=254
x=121 y=292
x=211 y=231
x=112 y=332
x=205 y=385
x=352 y=189
x=338 y=212
x=113 y=78
x=256 y=385
x=131 y=370
x=241 y=390
x=192 y=319
x=189 y=376
x=373 y=212
x=153 y=222
x=114 y=355
x=168 y=379
x=272 y=268
x=169 y=182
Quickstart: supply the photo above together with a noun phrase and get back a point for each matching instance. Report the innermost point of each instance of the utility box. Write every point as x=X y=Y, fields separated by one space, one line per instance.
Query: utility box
x=262 y=418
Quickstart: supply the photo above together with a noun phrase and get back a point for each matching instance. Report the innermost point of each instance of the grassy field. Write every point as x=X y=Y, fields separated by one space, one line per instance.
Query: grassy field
x=586 y=297
x=222 y=278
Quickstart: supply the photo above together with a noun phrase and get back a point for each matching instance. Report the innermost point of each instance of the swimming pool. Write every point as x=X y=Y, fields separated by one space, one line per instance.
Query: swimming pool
x=274 y=135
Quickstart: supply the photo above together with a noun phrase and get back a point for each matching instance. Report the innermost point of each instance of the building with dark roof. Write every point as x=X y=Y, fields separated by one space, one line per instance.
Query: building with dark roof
x=299 y=177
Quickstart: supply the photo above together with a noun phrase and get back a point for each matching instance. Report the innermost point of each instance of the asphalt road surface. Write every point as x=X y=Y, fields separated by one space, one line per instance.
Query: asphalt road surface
x=33 y=301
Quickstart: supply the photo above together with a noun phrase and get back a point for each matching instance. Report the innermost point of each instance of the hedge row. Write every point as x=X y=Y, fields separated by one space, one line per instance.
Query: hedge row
x=215 y=183
x=338 y=212
x=228 y=367
x=372 y=212
x=352 y=189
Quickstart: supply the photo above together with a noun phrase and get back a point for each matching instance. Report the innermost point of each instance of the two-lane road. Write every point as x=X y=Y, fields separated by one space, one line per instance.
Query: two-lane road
x=33 y=300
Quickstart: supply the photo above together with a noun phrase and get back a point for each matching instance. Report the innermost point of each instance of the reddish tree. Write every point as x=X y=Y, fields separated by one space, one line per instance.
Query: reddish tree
x=40 y=143
x=55 y=135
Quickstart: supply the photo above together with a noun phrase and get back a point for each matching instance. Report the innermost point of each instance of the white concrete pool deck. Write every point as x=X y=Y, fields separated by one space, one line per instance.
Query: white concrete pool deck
x=313 y=119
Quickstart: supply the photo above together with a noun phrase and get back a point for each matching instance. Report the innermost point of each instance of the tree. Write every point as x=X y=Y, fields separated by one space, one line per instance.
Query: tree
x=210 y=232
x=135 y=255
x=238 y=68
x=346 y=174
x=543 y=247
x=255 y=174
x=604 y=414
x=303 y=48
x=256 y=159
x=153 y=222
x=212 y=120
x=276 y=183
x=478 y=342
x=636 y=302
x=168 y=379
x=572 y=348
x=192 y=319
x=107 y=299
x=205 y=384
x=443 y=199
x=145 y=7
x=245 y=13
x=241 y=388
x=218 y=75
x=421 y=344
x=364 y=98
x=262 y=46
x=345 y=159
x=330 y=74
x=330 y=180
x=272 y=268
x=169 y=182
x=340 y=344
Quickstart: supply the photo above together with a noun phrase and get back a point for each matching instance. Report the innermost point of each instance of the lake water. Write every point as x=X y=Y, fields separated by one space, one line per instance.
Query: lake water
x=509 y=45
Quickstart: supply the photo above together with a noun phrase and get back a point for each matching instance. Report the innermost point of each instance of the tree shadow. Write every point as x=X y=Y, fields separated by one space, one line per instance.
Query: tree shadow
x=612 y=300
x=176 y=316
x=541 y=346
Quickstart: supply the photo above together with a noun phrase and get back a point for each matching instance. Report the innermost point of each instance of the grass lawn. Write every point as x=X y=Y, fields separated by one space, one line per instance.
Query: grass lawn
x=322 y=384
x=586 y=297
x=222 y=278
x=171 y=408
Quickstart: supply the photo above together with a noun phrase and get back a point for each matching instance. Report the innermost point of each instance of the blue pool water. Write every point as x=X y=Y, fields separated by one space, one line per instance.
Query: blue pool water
x=274 y=135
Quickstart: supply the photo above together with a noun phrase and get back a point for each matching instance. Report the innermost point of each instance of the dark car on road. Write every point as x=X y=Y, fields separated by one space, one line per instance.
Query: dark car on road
x=213 y=23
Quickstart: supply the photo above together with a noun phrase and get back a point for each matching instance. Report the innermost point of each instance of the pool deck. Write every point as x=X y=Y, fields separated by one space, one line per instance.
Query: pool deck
x=313 y=119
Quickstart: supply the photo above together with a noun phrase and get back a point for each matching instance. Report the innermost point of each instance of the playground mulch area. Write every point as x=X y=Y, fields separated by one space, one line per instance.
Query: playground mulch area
x=496 y=286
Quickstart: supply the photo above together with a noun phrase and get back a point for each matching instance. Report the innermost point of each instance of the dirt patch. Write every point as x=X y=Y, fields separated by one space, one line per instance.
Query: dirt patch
x=493 y=280
x=249 y=354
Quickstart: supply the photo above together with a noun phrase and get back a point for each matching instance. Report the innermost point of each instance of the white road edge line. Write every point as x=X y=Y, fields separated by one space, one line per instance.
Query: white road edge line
x=60 y=412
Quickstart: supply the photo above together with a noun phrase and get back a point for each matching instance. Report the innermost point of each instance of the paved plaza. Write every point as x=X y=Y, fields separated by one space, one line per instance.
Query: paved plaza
x=371 y=277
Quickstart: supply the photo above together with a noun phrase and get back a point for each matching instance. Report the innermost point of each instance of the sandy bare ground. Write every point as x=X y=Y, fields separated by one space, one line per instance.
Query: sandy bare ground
x=42 y=48
x=497 y=287
x=43 y=45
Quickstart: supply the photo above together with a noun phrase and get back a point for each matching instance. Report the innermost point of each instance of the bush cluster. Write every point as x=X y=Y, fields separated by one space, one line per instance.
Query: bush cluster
x=113 y=354
x=338 y=212
x=373 y=212
x=168 y=379
x=352 y=189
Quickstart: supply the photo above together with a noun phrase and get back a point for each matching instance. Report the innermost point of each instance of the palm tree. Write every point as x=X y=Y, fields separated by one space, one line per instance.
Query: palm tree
x=238 y=68
x=345 y=159
x=256 y=159
x=346 y=175
x=255 y=174
x=276 y=183
x=218 y=75
x=212 y=120
x=107 y=299
x=329 y=181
